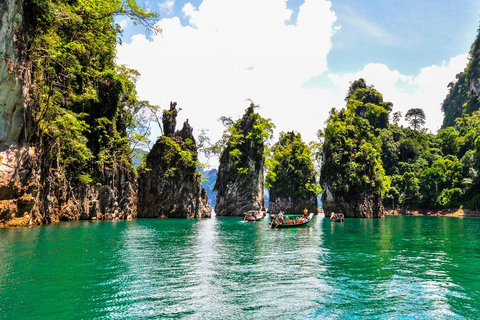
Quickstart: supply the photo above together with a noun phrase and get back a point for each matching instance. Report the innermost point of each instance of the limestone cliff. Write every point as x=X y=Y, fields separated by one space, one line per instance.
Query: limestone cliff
x=363 y=205
x=37 y=186
x=463 y=96
x=240 y=180
x=169 y=185
x=14 y=77
x=352 y=175
x=18 y=185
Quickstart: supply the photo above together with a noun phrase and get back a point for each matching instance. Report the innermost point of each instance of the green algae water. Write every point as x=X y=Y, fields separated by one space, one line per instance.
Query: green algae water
x=223 y=268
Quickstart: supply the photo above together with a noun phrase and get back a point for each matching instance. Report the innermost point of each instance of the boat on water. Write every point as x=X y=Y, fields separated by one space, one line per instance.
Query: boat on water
x=290 y=221
x=254 y=215
x=337 y=217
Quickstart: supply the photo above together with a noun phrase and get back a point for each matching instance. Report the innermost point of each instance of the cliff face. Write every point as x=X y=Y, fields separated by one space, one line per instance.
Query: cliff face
x=169 y=186
x=292 y=205
x=352 y=175
x=32 y=190
x=12 y=79
x=364 y=205
x=465 y=90
x=240 y=181
x=18 y=185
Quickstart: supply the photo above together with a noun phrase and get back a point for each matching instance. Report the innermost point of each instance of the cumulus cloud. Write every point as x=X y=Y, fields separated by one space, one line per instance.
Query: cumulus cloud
x=167 y=7
x=123 y=23
x=234 y=50
x=426 y=90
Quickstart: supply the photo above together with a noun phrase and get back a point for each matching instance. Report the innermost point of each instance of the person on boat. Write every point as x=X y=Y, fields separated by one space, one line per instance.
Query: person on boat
x=280 y=217
x=305 y=212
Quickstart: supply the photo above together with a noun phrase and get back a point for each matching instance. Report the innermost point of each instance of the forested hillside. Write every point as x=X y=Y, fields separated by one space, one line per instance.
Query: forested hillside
x=410 y=167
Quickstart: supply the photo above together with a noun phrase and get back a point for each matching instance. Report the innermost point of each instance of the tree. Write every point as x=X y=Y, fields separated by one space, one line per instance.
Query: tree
x=416 y=118
x=396 y=117
x=368 y=103
x=291 y=179
x=84 y=107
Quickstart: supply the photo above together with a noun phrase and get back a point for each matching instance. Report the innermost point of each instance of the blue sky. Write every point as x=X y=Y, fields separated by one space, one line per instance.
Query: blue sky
x=404 y=34
x=215 y=54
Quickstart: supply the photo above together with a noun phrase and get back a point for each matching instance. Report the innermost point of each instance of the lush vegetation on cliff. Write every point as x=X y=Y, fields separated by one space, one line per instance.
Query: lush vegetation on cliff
x=463 y=98
x=408 y=166
x=352 y=170
x=240 y=180
x=84 y=107
x=291 y=171
x=243 y=142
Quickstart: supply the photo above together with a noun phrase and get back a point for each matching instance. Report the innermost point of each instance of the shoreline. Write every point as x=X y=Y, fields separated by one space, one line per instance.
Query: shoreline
x=459 y=213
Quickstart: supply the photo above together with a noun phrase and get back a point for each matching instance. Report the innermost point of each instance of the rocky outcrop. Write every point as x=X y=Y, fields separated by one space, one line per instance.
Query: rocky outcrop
x=33 y=192
x=240 y=181
x=18 y=181
x=366 y=205
x=32 y=195
x=292 y=205
x=169 y=185
x=14 y=77
x=464 y=91
x=18 y=184
x=62 y=200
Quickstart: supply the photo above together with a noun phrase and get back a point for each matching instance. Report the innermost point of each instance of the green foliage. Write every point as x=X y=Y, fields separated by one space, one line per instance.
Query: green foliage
x=433 y=171
x=461 y=100
x=422 y=170
x=416 y=117
x=84 y=107
x=291 y=170
x=368 y=103
x=243 y=144
x=351 y=151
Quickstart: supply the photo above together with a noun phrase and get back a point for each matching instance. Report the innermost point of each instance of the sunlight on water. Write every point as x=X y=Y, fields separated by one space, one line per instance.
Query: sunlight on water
x=219 y=268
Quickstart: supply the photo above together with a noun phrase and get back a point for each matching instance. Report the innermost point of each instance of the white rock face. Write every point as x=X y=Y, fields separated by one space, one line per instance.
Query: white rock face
x=11 y=86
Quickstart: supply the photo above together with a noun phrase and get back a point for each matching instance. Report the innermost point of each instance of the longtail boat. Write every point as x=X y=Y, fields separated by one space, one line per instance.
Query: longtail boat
x=291 y=221
x=253 y=215
x=337 y=217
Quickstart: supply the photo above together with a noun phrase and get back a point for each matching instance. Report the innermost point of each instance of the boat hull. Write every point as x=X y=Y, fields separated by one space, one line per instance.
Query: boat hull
x=293 y=225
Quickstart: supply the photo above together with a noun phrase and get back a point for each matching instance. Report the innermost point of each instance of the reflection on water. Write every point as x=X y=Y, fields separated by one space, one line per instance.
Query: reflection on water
x=400 y=267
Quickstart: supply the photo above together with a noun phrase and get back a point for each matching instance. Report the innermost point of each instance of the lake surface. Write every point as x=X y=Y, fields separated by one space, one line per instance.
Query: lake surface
x=222 y=268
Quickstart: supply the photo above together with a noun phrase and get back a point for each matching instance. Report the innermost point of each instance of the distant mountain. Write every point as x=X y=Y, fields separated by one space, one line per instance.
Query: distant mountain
x=208 y=182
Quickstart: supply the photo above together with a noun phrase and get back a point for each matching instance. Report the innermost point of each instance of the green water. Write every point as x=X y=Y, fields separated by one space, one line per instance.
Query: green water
x=222 y=268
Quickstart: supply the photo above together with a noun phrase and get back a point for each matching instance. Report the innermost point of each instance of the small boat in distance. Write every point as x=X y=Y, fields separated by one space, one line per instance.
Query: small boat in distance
x=253 y=215
x=290 y=221
x=337 y=217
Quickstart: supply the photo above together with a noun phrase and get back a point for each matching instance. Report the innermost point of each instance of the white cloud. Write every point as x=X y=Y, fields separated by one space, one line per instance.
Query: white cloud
x=235 y=50
x=123 y=23
x=167 y=7
x=427 y=90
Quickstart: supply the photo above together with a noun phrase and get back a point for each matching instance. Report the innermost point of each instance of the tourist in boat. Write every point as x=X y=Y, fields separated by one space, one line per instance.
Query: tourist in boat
x=280 y=217
x=305 y=212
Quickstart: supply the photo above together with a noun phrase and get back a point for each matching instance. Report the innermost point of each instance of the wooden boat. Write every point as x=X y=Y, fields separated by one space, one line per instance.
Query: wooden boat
x=337 y=217
x=290 y=217
x=253 y=215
